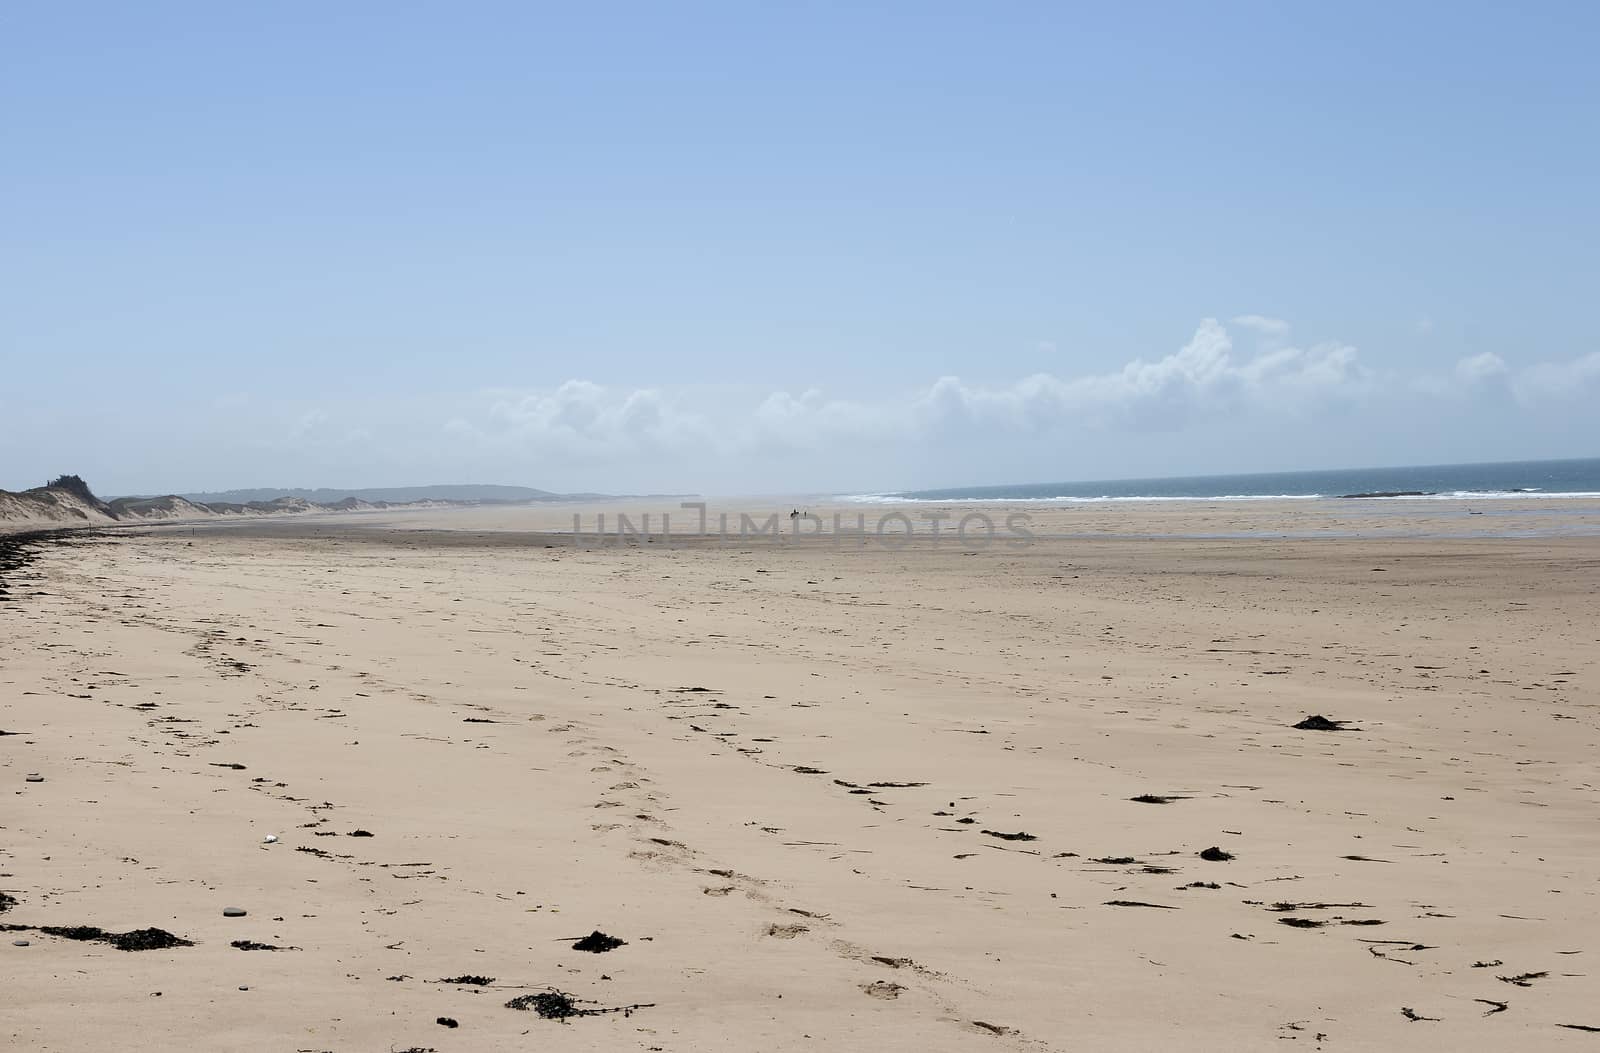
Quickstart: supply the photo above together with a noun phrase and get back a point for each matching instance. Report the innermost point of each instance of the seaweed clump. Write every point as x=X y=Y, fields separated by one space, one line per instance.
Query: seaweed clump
x=137 y=940
x=1318 y=722
x=559 y=1005
x=598 y=942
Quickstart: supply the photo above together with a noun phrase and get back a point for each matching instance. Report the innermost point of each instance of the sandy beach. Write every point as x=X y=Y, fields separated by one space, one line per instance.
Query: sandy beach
x=935 y=797
x=766 y=528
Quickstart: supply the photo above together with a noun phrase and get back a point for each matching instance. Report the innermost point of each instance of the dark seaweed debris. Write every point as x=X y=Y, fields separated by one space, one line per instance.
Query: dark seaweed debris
x=598 y=942
x=7 y=902
x=468 y=978
x=1152 y=798
x=1216 y=855
x=1018 y=836
x=552 y=1004
x=559 y=1005
x=1302 y=923
x=151 y=939
x=136 y=940
x=1283 y=908
x=1522 y=979
x=1137 y=903
x=1318 y=722
x=19 y=550
x=448 y=1021
x=252 y=945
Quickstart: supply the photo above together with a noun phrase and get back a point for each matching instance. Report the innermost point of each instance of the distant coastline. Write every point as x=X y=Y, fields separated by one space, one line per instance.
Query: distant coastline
x=454 y=493
x=68 y=501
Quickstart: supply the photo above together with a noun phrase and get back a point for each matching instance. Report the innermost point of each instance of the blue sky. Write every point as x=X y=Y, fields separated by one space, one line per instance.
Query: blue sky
x=736 y=247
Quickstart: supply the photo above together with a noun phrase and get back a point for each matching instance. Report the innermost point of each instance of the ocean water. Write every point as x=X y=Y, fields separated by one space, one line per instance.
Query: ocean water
x=1524 y=479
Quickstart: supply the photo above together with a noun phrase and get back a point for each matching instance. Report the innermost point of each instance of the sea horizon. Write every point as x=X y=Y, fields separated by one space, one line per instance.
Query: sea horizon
x=1571 y=478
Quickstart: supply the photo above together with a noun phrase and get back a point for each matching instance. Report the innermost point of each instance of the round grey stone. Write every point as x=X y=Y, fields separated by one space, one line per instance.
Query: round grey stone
x=233 y=912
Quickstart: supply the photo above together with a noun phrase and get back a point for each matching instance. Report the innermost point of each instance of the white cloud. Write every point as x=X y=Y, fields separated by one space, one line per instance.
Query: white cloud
x=1556 y=381
x=1206 y=397
x=1266 y=326
x=1540 y=384
x=1205 y=376
x=1482 y=367
x=582 y=419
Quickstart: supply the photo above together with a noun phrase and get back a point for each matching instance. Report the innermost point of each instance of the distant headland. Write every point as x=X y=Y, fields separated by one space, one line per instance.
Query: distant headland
x=67 y=500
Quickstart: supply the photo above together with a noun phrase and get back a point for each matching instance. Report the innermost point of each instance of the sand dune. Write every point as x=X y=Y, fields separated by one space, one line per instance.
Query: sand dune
x=926 y=799
x=68 y=502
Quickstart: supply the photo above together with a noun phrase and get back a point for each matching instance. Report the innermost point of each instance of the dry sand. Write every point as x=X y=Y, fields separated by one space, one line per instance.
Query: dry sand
x=793 y=780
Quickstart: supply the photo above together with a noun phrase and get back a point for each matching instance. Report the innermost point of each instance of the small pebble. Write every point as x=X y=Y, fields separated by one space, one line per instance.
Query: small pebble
x=35 y=778
x=19 y=943
x=233 y=912
x=270 y=839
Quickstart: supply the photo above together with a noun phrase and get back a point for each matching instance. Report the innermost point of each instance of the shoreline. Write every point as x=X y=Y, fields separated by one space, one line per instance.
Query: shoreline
x=1266 y=520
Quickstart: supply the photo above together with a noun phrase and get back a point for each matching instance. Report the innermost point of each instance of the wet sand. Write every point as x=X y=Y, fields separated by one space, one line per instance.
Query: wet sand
x=933 y=798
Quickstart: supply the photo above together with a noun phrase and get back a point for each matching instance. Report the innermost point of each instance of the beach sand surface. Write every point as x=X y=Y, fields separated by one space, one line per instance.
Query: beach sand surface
x=832 y=795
